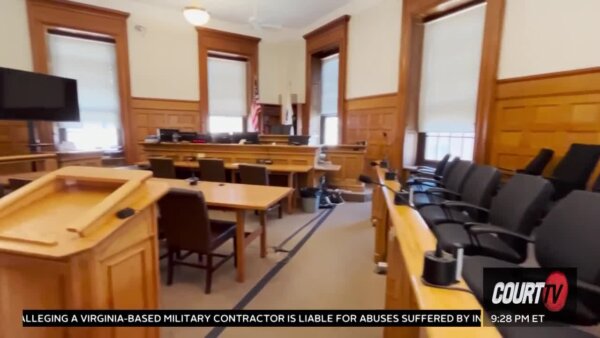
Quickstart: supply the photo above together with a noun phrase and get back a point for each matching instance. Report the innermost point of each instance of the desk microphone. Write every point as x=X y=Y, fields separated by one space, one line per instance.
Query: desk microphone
x=399 y=196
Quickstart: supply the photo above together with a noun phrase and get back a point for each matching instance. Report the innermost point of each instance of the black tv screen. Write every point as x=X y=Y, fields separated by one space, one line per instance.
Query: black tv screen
x=34 y=96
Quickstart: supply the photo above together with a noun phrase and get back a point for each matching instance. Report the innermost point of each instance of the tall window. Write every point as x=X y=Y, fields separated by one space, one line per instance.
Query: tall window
x=330 y=68
x=227 y=95
x=449 y=82
x=92 y=62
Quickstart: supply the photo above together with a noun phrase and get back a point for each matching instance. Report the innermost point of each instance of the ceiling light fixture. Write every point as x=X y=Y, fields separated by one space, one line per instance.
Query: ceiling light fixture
x=197 y=16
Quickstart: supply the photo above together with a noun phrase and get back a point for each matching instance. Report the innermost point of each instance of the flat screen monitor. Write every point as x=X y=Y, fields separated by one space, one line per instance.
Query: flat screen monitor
x=166 y=135
x=37 y=97
x=221 y=138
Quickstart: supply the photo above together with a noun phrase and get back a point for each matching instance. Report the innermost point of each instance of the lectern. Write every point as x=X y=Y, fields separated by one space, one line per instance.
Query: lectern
x=65 y=243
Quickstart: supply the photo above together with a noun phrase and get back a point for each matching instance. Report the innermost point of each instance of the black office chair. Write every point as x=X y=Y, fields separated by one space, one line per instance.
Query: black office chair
x=257 y=175
x=435 y=171
x=162 y=167
x=424 y=182
x=575 y=169
x=566 y=238
x=451 y=189
x=212 y=170
x=17 y=183
x=517 y=207
x=478 y=190
x=596 y=186
x=538 y=163
x=193 y=231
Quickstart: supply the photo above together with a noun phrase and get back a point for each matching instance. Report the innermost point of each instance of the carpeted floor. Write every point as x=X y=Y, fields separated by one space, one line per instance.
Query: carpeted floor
x=332 y=270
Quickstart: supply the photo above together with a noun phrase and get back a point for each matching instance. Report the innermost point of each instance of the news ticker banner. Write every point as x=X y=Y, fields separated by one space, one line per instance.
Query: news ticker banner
x=251 y=318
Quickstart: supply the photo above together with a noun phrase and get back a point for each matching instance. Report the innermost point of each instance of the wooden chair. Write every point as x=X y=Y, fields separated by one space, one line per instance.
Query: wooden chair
x=162 y=167
x=212 y=170
x=257 y=175
x=187 y=227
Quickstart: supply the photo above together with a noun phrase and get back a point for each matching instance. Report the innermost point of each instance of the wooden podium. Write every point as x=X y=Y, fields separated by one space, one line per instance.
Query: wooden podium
x=62 y=246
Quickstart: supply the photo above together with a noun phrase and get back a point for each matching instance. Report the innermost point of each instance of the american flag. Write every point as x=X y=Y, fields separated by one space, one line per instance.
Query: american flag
x=255 y=108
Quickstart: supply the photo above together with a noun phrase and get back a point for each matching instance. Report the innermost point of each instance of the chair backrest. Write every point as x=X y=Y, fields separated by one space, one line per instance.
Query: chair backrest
x=568 y=236
x=481 y=185
x=253 y=174
x=16 y=183
x=539 y=162
x=520 y=205
x=448 y=169
x=596 y=186
x=439 y=168
x=162 y=167
x=578 y=164
x=458 y=175
x=184 y=220
x=212 y=170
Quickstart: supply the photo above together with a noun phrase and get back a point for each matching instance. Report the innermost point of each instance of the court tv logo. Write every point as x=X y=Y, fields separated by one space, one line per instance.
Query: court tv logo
x=523 y=296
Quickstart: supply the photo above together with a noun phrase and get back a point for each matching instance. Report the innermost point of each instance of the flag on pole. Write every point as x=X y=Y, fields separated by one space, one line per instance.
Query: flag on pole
x=255 y=108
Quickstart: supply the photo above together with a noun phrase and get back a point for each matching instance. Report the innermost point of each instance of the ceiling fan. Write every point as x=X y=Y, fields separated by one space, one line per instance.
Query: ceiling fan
x=259 y=24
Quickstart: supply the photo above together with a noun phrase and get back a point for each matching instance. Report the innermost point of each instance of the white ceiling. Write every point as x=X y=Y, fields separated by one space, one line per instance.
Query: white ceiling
x=292 y=14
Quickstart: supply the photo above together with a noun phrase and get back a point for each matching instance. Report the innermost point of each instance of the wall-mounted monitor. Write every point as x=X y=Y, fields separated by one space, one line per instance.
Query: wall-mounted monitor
x=37 y=97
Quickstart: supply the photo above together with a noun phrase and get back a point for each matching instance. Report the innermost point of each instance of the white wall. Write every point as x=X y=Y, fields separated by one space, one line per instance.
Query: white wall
x=544 y=36
x=163 y=58
x=14 y=36
x=281 y=69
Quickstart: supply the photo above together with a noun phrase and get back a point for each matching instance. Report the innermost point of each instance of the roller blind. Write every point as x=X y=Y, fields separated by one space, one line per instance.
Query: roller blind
x=329 y=85
x=450 y=71
x=93 y=64
x=227 y=92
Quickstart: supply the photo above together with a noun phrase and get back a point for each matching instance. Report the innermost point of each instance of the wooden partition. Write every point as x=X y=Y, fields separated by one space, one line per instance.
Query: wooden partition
x=74 y=253
x=235 y=153
x=28 y=162
x=404 y=289
x=351 y=158
x=546 y=111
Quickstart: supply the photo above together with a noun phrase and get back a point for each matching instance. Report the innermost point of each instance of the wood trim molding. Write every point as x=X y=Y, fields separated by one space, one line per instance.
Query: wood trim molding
x=488 y=74
x=44 y=15
x=331 y=36
x=550 y=75
x=211 y=40
x=372 y=101
x=153 y=103
x=414 y=13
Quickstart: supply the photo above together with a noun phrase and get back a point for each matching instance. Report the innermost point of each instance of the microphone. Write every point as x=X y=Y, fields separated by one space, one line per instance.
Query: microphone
x=399 y=196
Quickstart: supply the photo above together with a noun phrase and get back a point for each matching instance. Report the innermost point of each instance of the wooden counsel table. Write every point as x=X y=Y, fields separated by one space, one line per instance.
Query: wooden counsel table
x=239 y=198
x=404 y=289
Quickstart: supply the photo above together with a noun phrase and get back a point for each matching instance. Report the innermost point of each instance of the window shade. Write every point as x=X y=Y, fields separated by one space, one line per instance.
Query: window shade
x=329 y=85
x=93 y=64
x=450 y=71
x=227 y=92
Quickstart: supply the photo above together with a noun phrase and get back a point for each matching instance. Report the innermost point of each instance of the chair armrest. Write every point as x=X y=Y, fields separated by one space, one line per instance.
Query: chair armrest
x=460 y=204
x=419 y=180
x=493 y=229
x=589 y=288
x=443 y=190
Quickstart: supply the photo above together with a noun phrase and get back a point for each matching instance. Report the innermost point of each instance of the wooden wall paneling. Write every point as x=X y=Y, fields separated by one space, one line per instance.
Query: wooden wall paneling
x=151 y=114
x=13 y=141
x=211 y=40
x=331 y=36
x=546 y=111
x=371 y=119
x=66 y=14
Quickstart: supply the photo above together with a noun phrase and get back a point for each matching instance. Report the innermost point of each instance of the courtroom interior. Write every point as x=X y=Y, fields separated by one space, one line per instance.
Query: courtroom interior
x=296 y=155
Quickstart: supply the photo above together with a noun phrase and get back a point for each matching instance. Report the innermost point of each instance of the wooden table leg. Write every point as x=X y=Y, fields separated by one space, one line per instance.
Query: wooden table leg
x=291 y=196
x=240 y=244
x=263 y=233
